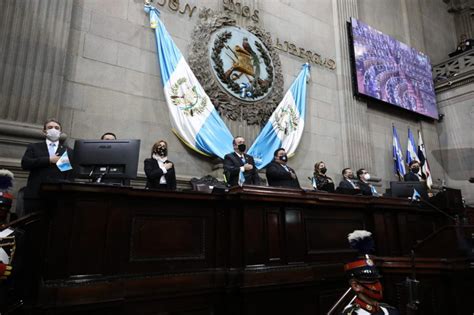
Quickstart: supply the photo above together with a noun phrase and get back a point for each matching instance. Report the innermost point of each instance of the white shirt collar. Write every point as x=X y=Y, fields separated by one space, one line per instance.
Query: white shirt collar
x=159 y=158
x=48 y=143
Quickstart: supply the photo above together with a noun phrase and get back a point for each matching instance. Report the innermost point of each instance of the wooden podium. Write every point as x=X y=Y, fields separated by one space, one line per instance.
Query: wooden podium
x=254 y=250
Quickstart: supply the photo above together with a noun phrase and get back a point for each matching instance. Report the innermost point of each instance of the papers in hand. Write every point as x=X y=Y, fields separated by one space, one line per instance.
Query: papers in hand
x=63 y=163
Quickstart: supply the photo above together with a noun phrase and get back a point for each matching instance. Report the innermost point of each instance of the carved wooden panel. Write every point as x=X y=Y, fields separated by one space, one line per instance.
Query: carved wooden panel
x=167 y=238
x=329 y=234
x=274 y=235
x=254 y=236
x=88 y=237
x=295 y=237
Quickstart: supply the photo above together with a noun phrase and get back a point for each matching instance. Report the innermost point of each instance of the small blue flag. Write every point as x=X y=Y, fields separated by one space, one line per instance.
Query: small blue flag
x=241 y=178
x=63 y=163
x=416 y=196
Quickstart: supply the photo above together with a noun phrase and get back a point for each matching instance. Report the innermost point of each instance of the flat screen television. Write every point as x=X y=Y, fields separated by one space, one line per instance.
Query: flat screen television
x=106 y=159
x=390 y=71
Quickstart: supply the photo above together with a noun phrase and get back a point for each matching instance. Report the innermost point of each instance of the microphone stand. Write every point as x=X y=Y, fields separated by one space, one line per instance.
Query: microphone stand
x=432 y=206
x=412 y=285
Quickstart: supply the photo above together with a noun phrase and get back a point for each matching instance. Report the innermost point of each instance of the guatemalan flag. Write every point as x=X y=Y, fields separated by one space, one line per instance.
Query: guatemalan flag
x=193 y=117
x=399 y=164
x=285 y=126
x=412 y=149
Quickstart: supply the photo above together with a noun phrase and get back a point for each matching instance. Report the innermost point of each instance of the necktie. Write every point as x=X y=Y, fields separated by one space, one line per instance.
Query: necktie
x=286 y=168
x=52 y=149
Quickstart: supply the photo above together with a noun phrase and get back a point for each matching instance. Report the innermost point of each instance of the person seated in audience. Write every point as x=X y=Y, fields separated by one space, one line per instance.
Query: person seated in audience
x=160 y=171
x=363 y=183
x=347 y=181
x=465 y=44
x=320 y=180
x=108 y=136
x=279 y=174
x=240 y=162
x=40 y=160
x=412 y=175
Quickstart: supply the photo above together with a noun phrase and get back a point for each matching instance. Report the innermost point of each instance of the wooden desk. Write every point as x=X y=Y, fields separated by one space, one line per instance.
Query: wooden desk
x=254 y=250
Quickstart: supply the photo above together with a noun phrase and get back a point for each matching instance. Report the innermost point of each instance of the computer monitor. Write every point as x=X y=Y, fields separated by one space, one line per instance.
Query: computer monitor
x=97 y=159
x=405 y=189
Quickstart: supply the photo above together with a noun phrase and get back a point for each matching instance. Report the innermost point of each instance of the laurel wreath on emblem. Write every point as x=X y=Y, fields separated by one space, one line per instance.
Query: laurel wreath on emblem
x=199 y=60
x=258 y=89
x=190 y=102
x=286 y=120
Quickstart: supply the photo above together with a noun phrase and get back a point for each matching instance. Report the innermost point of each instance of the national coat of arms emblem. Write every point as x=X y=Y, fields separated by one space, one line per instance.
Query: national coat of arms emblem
x=187 y=98
x=286 y=119
x=242 y=64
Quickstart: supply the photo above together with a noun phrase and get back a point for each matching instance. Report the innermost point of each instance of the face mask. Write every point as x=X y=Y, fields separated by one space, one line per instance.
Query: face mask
x=162 y=151
x=373 y=290
x=415 y=169
x=242 y=147
x=367 y=176
x=53 y=134
x=323 y=170
x=284 y=158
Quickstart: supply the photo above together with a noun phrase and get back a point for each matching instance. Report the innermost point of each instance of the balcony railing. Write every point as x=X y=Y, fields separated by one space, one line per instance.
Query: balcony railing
x=454 y=71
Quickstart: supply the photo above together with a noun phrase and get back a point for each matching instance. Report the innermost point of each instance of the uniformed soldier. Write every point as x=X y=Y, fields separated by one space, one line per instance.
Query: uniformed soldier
x=10 y=238
x=364 y=279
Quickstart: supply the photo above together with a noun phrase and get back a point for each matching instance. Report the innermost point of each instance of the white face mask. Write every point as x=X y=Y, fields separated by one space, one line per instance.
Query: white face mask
x=367 y=176
x=53 y=134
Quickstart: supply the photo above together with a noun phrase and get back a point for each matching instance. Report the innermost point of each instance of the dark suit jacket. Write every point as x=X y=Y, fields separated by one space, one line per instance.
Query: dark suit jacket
x=324 y=182
x=279 y=177
x=36 y=160
x=411 y=177
x=153 y=174
x=364 y=188
x=232 y=164
x=345 y=184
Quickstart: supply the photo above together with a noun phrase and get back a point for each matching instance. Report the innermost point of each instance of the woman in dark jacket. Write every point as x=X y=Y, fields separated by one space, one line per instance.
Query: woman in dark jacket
x=159 y=170
x=320 y=180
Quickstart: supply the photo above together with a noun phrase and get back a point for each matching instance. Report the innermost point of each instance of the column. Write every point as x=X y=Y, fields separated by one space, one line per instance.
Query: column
x=357 y=151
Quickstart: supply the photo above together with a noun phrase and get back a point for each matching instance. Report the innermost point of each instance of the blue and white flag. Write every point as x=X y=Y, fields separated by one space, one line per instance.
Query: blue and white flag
x=412 y=149
x=416 y=195
x=399 y=163
x=63 y=163
x=285 y=127
x=193 y=117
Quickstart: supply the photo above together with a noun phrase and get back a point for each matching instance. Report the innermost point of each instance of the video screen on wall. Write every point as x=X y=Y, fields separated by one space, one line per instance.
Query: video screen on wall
x=390 y=71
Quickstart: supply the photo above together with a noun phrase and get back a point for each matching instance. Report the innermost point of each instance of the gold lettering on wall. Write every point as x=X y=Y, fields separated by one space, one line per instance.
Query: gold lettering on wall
x=175 y=5
x=239 y=9
x=307 y=55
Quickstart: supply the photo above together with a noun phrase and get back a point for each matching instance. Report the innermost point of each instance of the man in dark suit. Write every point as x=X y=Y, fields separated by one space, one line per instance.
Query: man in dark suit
x=346 y=182
x=238 y=161
x=363 y=183
x=40 y=160
x=279 y=174
x=412 y=175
